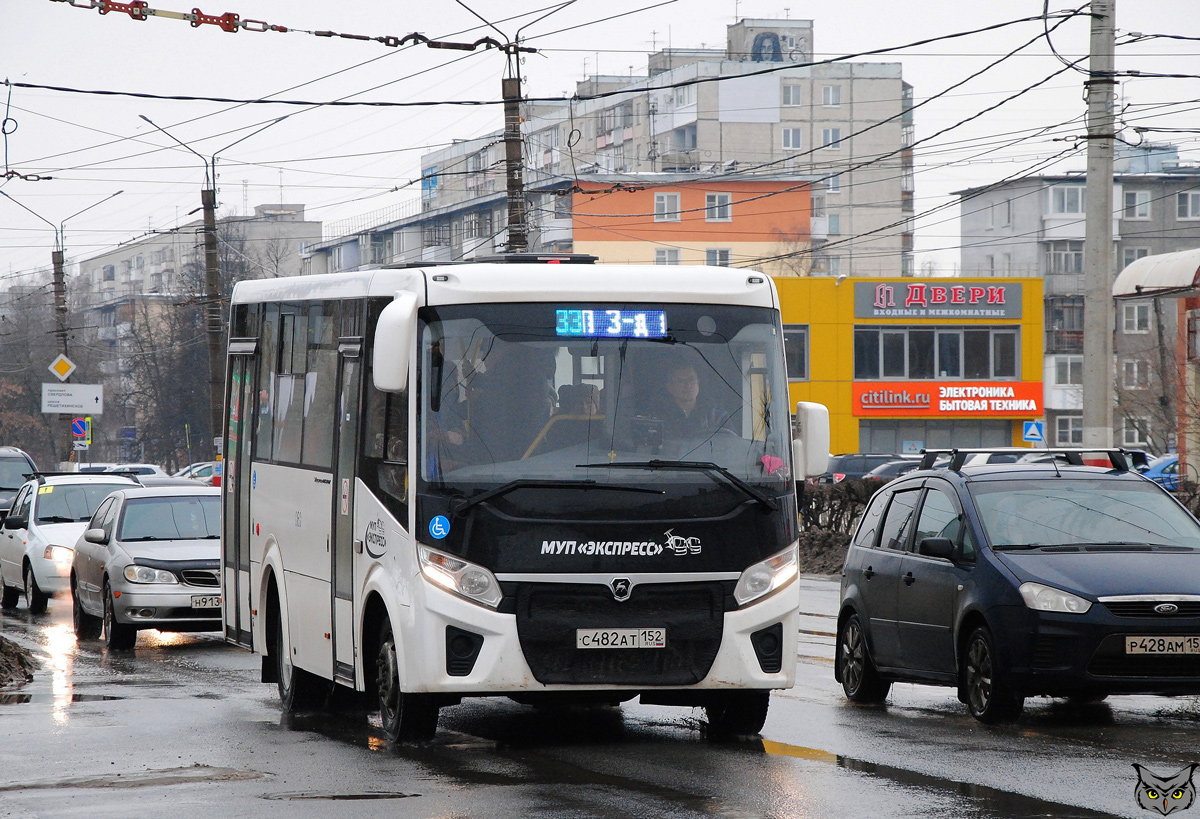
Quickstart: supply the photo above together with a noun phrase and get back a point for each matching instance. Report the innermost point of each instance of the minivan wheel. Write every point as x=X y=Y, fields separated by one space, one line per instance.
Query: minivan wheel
x=34 y=596
x=988 y=698
x=87 y=626
x=737 y=713
x=117 y=636
x=860 y=680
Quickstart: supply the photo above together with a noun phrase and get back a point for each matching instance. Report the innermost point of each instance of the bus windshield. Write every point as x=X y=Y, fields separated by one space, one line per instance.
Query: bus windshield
x=562 y=392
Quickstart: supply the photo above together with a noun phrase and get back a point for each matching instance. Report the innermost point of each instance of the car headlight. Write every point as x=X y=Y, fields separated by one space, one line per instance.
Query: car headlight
x=145 y=574
x=1048 y=598
x=59 y=554
x=766 y=576
x=473 y=582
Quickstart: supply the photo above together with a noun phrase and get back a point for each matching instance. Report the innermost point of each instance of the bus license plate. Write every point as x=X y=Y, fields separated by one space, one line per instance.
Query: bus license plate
x=1162 y=645
x=621 y=638
x=206 y=601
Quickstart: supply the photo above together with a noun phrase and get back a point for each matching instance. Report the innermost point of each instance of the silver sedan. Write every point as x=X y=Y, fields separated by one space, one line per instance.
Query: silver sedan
x=149 y=558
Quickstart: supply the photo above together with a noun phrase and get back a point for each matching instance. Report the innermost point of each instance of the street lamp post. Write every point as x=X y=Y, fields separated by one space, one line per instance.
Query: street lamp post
x=214 y=323
x=57 y=259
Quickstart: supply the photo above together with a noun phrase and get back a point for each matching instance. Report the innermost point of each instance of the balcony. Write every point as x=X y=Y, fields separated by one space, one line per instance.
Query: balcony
x=1063 y=284
x=1064 y=341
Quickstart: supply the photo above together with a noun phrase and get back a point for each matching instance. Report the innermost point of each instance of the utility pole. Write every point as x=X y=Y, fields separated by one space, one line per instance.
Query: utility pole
x=63 y=433
x=212 y=314
x=1098 y=392
x=518 y=235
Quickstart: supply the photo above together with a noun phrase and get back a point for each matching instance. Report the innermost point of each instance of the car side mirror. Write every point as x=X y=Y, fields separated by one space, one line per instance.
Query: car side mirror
x=16 y=522
x=942 y=547
x=95 y=536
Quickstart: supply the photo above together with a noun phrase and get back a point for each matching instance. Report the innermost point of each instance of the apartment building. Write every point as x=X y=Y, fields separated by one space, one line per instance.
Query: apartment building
x=1034 y=227
x=753 y=111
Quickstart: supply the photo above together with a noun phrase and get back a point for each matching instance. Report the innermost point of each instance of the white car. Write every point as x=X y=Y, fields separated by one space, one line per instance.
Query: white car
x=202 y=472
x=37 y=542
x=139 y=469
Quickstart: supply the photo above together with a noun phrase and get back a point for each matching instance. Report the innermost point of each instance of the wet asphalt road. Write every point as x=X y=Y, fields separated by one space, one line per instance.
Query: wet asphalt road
x=181 y=728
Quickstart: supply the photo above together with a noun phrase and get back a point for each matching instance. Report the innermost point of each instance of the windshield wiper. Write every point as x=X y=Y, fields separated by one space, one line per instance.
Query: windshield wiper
x=527 y=483
x=699 y=466
x=57 y=519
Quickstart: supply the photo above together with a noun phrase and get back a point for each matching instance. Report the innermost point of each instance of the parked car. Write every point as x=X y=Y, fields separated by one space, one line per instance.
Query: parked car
x=1021 y=580
x=96 y=466
x=139 y=469
x=1164 y=471
x=856 y=465
x=149 y=558
x=891 y=470
x=15 y=467
x=48 y=515
x=202 y=471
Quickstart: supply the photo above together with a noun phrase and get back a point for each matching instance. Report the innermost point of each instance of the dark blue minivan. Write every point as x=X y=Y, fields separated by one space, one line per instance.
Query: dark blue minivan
x=1013 y=580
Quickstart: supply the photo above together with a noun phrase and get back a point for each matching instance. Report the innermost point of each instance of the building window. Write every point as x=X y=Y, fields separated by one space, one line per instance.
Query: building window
x=110 y=273
x=1003 y=213
x=1066 y=199
x=831 y=95
x=1068 y=370
x=1135 y=318
x=666 y=207
x=833 y=265
x=1068 y=430
x=834 y=183
x=717 y=256
x=1188 y=205
x=718 y=207
x=562 y=206
x=924 y=353
x=1064 y=257
x=1134 y=374
x=1137 y=205
x=791 y=95
x=1131 y=254
x=792 y=139
x=835 y=224
x=831 y=138
x=795 y=347
x=1134 y=431
x=666 y=255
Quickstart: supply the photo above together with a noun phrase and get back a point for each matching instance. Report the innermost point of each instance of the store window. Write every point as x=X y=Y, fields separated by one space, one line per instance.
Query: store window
x=924 y=353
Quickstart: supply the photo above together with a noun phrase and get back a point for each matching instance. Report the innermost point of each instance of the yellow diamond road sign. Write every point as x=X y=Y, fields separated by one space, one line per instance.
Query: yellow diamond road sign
x=62 y=367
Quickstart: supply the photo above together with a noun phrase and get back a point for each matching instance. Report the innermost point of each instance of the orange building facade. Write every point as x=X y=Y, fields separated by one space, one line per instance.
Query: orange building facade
x=665 y=220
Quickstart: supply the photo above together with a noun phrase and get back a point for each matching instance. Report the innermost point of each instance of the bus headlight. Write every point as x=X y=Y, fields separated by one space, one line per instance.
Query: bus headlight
x=473 y=582
x=766 y=576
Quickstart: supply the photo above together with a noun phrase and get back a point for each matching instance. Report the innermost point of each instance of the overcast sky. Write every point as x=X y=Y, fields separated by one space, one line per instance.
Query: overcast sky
x=343 y=162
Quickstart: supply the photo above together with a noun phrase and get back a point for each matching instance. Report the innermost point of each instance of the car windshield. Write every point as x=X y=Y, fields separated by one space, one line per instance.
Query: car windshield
x=13 y=472
x=1066 y=511
x=541 y=391
x=179 y=517
x=65 y=503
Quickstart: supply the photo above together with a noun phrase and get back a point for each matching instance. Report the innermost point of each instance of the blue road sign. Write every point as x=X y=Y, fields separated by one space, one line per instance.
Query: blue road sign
x=79 y=427
x=1034 y=432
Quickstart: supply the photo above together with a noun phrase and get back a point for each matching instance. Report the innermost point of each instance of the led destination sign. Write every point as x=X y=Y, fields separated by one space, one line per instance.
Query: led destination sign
x=611 y=323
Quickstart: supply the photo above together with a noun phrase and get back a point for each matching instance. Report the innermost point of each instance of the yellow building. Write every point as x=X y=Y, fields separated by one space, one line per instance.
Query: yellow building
x=909 y=363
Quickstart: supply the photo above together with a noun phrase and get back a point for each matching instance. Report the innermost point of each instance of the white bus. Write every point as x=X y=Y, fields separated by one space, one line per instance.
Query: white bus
x=562 y=481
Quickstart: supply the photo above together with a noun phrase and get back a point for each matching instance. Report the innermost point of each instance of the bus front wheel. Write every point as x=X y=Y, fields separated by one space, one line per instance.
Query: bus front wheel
x=405 y=717
x=737 y=713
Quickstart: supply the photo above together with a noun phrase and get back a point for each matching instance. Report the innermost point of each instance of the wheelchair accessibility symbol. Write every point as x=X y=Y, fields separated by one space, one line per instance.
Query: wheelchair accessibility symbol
x=439 y=527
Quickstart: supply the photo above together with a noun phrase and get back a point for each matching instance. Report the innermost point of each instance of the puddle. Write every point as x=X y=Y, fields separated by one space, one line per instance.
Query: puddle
x=335 y=797
x=994 y=799
x=20 y=699
x=140 y=779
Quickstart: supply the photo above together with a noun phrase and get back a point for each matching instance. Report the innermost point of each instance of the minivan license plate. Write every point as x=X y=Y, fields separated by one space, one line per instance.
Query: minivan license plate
x=1162 y=645
x=621 y=638
x=206 y=601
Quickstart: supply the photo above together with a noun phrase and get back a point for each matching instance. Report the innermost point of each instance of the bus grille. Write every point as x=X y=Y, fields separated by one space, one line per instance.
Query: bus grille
x=548 y=615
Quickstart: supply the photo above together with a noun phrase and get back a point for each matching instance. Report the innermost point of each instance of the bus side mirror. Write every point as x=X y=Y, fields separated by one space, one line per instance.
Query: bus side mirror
x=395 y=338
x=810 y=447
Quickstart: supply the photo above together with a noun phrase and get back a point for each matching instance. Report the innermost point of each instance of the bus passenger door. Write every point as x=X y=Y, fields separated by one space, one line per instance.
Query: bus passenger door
x=349 y=385
x=236 y=490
